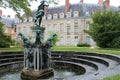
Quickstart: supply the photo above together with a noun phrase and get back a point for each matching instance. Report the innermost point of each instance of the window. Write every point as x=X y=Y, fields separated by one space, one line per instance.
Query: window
x=61 y=41
x=43 y=25
x=49 y=16
x=75 y=22
x=55 y=16
x=88 y=39
x=75 y=13
x=25 y=19
x=68 y=14
x=61 y=15
x=68 y=40
x=18 y=29
x=87 y=26
x=44 y=17
x=6 y=30
x=12 y=32
x=83 y=23
x=15 y=28
x=68 y=23
x=21 y=21
x=49 y=28
x=76 y=29
x=61 y=28
x=30 y=19
x=76 y=40
x=27 y=30
x=24 y=30
x=68 y=30
x=55 y=28
x=87 y=13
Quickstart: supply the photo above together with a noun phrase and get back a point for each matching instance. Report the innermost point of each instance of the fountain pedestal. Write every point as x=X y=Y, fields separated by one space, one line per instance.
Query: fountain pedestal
x=29 y=74
x=37 y=57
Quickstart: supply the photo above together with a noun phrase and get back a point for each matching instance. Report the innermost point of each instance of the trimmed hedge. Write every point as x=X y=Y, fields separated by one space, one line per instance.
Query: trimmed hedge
x=83 y=45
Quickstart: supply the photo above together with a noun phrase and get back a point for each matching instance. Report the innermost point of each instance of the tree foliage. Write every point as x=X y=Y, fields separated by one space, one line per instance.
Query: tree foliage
x=17 y=6
x=56 y=38
x=21 y=5
x=5 y=41
x=105 y=29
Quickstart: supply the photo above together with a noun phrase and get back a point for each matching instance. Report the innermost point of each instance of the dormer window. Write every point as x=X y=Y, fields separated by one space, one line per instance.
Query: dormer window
x=68 y=14
x=61 y=15
x=87 y=13
x=21 y=21
x=49 y=16
x=30 y=19
x=25 y=19
x=44 y=17
x=75 y=13
x=55 y=16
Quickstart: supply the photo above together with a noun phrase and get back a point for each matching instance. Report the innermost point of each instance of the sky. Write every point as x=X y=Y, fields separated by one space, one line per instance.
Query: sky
x=34 y=5
x=112 y=2
x=62 y=2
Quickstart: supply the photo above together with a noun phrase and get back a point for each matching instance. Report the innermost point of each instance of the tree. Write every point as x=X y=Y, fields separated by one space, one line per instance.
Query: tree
x=105 y=29
x=56 y=38
x=20 y=5
x=17 y=6
x=5 y=41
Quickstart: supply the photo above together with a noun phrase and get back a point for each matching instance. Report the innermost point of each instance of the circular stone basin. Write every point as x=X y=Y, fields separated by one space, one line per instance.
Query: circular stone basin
x=57 y=74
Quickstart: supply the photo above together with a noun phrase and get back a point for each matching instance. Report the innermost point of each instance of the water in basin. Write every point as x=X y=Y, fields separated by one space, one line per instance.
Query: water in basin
x=57 y=74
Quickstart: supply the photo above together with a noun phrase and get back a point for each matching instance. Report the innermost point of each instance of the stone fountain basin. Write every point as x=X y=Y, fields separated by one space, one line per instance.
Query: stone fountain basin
x=88 y=66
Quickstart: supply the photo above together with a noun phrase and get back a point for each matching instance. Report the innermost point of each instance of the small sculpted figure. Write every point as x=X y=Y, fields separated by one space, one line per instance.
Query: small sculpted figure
x=46 y=51
x=25 y=40
x=38 y=38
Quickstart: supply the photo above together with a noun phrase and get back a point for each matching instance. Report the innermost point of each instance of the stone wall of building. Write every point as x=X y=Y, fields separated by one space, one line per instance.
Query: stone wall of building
x=68 y=21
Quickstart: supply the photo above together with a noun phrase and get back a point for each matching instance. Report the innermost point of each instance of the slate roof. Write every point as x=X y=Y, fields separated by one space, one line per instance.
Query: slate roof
x=82 y=8
x=9 y=21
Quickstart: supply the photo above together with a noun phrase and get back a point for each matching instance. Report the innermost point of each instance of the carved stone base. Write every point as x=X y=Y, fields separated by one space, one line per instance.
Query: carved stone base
x=29 y=74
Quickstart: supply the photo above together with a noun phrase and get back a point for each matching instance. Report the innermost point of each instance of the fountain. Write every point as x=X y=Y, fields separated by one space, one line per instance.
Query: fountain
x=37 y=55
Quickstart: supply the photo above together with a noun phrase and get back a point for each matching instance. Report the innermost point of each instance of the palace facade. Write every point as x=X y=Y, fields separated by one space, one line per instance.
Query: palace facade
x=68 y=21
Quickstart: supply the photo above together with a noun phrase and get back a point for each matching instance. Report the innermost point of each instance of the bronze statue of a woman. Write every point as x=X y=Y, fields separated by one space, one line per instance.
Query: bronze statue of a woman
x=40 y=12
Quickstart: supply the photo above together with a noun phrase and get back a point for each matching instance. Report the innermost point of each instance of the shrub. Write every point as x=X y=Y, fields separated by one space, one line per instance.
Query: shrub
x=105 y=28
x=116 y=43
x=83 y=45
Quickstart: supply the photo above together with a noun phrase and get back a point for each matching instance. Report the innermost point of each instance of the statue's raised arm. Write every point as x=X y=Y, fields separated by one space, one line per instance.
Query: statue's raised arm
x=40 y=12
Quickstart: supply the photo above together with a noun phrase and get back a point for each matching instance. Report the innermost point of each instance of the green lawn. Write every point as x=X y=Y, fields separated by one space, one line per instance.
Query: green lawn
x=86 y=49
x=116 y=77
x=12 y=49
x=70 y=48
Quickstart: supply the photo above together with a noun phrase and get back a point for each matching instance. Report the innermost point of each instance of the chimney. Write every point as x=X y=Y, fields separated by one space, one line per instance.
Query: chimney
x=81 y=1
x=100 y=2
x=16 y=16
x=67 y=5
x=0 y=12
x=107 y=4
x=8 y=16
x=118 y=6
